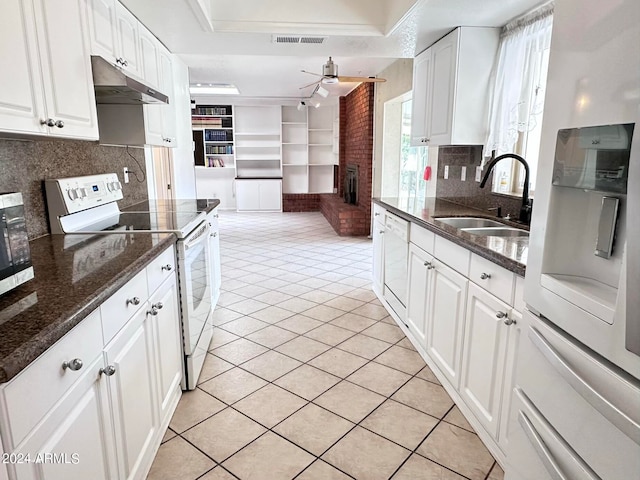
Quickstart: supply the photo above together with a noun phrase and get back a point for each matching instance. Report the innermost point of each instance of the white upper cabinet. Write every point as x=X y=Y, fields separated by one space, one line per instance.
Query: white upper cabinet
x=160 y=120
x=50 y=88
x=20 y=93
x=451 y=88
x=128 y=41
x=102 y=29
x=149 y=57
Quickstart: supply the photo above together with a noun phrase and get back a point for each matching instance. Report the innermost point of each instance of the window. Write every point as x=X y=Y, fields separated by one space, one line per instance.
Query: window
x=402 y=165
x=515 y=123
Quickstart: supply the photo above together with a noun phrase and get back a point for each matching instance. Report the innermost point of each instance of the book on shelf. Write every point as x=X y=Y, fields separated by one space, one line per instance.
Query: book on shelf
x=213 y=110
x=215 y=162
x=219 y=149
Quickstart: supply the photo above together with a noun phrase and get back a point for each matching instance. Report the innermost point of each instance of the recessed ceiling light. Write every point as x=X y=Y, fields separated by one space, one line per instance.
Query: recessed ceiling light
x=214 y=89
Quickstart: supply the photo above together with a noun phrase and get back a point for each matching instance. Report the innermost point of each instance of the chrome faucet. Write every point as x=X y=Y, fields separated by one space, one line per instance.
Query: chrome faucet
x=525 y=209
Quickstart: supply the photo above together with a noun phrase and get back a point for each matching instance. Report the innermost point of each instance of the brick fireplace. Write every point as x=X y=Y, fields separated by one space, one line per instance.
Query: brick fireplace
x=356 y=149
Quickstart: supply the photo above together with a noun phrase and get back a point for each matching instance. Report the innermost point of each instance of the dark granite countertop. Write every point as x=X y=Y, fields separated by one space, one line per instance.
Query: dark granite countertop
x=69 y=284
x=508 y=252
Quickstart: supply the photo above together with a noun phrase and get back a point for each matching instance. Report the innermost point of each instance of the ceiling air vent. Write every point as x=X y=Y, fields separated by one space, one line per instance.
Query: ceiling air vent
x=297 y=39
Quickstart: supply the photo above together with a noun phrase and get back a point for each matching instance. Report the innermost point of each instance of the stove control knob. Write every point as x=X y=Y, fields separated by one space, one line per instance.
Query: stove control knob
x=110 y=186
x=82 y=192
x=117 y=185
x=73 y=194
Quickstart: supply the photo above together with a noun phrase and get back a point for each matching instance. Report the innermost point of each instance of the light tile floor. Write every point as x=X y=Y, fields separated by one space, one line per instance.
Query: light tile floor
x=308 y=377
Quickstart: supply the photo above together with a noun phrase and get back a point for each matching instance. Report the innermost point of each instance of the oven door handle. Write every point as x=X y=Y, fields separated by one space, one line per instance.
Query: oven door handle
x=199 y=235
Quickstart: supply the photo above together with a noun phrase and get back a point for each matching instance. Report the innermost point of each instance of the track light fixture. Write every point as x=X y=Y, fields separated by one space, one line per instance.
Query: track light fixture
x=301 y=105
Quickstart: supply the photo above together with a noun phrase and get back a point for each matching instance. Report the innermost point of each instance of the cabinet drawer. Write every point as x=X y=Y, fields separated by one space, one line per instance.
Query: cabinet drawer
x=378 y=212
x=422 y=237
x=160 y=269
x=455 y=256
x=120 y=307
x=518 y=297
x=36 y=389
x=493 y=278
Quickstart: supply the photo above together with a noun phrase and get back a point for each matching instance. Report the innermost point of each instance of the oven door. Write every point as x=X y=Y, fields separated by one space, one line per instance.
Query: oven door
x=195 y=285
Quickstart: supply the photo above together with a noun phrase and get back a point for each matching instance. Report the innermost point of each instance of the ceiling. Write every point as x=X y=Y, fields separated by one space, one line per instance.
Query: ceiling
x=232 y=42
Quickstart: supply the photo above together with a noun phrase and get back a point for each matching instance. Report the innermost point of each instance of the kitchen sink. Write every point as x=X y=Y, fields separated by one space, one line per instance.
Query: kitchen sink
x=497 y=231
x=469 y=222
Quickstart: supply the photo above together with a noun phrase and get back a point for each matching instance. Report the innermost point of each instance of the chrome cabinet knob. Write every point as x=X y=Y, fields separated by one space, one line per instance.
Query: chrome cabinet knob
x=133 y=301
x=509 y=321
x=168 y=140
x=382 y=232
x=60 y=124
x=485 y=276
x=153 y=311
x=167 y=267
x=376 y=214
x=49 y=122
x=216 y=216
x=429 y=265
x=158 y=305
x=214 y=234
x=122 y=61
x=501 y=314
x=73 y=365
x=108 y=370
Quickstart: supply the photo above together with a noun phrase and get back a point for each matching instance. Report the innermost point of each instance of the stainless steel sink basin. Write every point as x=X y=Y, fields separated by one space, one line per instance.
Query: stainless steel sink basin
x=469 y=222
x=497 y=231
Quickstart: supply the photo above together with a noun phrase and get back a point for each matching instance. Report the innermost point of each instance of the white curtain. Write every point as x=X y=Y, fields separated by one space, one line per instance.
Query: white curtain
x=518 y=93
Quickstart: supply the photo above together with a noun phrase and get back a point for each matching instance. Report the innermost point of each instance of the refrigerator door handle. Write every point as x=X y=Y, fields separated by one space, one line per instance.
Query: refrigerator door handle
x=572 y=461
x=541 y=449
x=607 y=409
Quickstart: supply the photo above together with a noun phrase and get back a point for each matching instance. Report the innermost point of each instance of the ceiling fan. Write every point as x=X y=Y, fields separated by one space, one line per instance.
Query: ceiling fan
x=330 y=76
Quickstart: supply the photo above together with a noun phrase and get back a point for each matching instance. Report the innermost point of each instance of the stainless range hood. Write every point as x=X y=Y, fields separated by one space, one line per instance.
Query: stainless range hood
x=113 y=86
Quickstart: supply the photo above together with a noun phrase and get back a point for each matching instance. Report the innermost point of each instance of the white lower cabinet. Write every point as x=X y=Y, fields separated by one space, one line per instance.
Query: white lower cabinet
x=378 y=256
x=77 y=431
x=445 y=324
x=255 y=195
x=420 y=265
x=166 y=339
x=130 y=355
x=510 y=366
x=103 y=417
x=214 y=251
x=468 y=333
x=483 y=358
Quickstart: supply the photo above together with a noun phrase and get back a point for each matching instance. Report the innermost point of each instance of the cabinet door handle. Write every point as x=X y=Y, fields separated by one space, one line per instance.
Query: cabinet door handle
x=60 y=124
x=376 y=214
x=158 y=305
x=49 y=122
x=73 y=365
x=485 y=276
x=108 y=370
x=429 y=265
x=133 y=301
x=381 y=232
x=167 y=267
x=216 y=215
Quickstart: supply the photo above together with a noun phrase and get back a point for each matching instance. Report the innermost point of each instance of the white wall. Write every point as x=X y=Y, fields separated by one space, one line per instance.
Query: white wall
x=399 y=77
x=184 y=184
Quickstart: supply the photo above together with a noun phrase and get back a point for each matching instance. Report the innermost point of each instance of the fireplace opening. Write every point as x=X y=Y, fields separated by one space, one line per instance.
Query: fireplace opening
x=351 y=184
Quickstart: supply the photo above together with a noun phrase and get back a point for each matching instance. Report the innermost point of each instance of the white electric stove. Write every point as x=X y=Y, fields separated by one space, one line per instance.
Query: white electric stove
x=81 y=207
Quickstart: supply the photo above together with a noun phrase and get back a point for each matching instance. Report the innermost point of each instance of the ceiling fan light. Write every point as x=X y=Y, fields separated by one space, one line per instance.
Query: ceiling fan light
x=323 y=92
x=329 y=80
